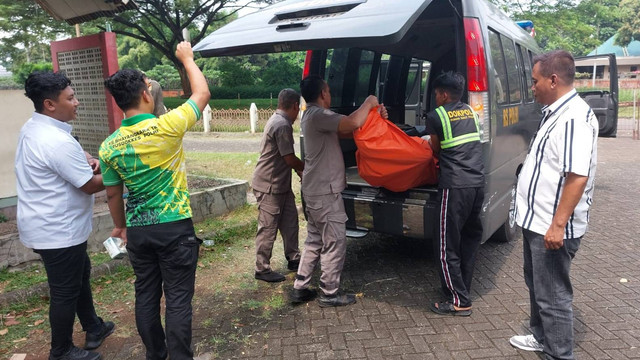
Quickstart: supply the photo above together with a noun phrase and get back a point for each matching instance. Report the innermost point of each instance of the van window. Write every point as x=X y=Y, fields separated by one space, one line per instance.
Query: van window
x=413 y=91
x=382 y=75
x=499 y=70
x=513 y=76
x=525 y=62
x=334 y=75
x=364 y=77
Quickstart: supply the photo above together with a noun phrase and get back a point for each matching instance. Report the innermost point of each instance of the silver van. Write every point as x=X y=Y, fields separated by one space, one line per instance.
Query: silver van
x=390 y=49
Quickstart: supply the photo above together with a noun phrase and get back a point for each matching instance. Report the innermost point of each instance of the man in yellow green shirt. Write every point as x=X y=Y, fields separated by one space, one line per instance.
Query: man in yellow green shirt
x=146 y=155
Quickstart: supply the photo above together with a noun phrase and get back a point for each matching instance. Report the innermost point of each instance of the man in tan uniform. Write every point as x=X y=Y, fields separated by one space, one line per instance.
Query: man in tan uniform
x=322 y=182
x=272 y=188
x=156 y=92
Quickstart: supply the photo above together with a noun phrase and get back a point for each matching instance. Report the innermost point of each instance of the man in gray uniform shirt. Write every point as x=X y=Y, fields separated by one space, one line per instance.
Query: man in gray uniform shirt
x=272 y=188
x=322 y=182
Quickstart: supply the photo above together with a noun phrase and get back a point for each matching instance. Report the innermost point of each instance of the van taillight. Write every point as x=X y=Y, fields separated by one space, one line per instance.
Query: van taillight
x=478 y=85
x=476 y=64
x=307 y=64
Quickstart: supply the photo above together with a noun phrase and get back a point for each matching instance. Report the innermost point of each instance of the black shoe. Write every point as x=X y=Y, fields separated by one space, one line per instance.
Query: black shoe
x=302 y=295
x=293 y=265
x=270 y=276
x=77 y=354
x=336 y=300
x=93 y=340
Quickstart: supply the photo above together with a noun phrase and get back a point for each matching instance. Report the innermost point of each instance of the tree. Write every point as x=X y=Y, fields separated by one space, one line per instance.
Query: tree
x=136 y=54
x=160 y=24
x=603 y=15
x=630 y=28
x=236 y=72
x=576 y=26
x=283 y=69
x=29 y=31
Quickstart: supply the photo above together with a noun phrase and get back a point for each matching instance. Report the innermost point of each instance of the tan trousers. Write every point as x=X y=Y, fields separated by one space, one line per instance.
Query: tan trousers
x=276 y=212
x=326 y=241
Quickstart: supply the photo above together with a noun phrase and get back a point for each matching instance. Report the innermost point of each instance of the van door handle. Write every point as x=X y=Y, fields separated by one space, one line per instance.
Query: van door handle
x=292 y=26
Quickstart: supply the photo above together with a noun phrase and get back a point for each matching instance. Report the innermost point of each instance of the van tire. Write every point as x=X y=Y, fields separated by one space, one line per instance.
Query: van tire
x=506 y=233
x=509 y=230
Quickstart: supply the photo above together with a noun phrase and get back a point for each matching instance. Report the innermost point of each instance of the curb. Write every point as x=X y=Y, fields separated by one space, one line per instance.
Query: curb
x=42 y=289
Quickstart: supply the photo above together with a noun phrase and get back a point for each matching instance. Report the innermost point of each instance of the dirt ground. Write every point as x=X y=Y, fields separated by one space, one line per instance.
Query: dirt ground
x=8 y=227
x=229 y=305
x=222 y=321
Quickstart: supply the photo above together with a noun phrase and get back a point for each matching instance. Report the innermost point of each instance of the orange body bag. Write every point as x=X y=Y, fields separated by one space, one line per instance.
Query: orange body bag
x=389 y=158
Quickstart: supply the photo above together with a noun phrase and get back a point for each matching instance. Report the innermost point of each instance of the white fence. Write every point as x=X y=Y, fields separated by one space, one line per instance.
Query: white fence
x=236 y=120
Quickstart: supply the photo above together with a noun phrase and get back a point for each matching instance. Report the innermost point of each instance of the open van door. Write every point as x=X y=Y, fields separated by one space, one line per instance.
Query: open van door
x=297 y=25
x=597 y=83
x=390 y=49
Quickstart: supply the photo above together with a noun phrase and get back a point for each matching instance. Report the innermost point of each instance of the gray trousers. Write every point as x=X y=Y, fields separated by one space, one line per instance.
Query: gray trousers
x=546 y=273
x=326 y=241
x=276 y=212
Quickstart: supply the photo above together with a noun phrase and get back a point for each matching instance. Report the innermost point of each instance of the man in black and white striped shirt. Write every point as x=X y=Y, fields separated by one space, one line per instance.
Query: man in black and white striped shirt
x=555 y=189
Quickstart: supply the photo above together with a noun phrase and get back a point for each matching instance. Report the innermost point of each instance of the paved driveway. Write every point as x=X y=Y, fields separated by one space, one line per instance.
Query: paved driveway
x=397 y=279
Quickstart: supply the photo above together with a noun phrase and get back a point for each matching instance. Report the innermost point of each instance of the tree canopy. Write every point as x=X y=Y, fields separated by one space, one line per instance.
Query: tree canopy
x=149 y=35
x=576 y=26
x=630 y=29
x=29 y=30
x=160 y=23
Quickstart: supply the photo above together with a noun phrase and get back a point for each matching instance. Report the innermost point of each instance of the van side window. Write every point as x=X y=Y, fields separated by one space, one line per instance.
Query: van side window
x=499 y=70
x=382 y=75
x=334 y=75
x=363 y=81
x=513 y=76
x=525 y=63
x=412 y=92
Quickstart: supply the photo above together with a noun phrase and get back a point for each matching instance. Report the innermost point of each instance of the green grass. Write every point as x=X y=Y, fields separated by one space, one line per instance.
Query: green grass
x=230 y=166
x=219 y=165
x=222 y=165
x=32 y=314
x=627 y=112
x=232 y=254
x=13 y=280
x=22 y=279
x=172 y=103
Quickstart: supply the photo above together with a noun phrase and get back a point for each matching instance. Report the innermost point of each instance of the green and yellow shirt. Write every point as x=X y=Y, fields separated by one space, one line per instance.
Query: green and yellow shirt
x=146 y=154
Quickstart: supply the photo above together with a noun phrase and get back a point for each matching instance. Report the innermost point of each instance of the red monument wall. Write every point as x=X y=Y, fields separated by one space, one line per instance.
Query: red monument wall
x=87 y=61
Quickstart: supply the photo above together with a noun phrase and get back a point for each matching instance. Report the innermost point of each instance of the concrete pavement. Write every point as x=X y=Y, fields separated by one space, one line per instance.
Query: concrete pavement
x=396 y=279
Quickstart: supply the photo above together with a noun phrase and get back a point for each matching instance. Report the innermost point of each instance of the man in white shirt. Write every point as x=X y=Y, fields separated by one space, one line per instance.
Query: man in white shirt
x=555 y=189
x=56 y=181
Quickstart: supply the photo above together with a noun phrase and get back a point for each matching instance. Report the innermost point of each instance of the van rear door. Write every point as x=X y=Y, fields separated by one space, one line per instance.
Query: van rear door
x=597 y=83
x=312 y=25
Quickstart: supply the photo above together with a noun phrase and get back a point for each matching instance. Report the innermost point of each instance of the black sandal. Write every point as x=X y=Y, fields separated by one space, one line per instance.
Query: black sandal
x=446 y=308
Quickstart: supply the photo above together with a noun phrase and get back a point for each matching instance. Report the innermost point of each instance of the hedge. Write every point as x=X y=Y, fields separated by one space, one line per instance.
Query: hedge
x=249 y=91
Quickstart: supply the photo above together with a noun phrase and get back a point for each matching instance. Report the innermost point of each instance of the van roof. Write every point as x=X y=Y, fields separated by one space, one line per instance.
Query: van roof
x=295 y=25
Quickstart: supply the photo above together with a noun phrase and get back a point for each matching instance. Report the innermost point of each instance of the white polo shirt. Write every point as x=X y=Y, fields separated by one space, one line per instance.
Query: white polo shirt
x=566 y=142
x=53 y=213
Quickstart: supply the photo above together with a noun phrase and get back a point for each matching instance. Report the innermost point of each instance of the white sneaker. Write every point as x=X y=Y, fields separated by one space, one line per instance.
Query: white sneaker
x=526 y=342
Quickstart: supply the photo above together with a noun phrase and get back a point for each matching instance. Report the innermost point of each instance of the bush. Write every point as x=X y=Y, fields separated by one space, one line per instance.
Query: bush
x=7 y=83
x=174 y=102
x=248 y=91
x=166 y=75
x=23 y=71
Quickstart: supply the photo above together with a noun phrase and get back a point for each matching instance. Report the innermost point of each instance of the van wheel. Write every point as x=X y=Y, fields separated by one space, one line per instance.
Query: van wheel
x=509 y=230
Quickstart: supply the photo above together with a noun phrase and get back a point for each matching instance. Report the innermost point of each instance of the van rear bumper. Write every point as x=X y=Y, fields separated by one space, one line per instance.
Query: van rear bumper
x=410 y=214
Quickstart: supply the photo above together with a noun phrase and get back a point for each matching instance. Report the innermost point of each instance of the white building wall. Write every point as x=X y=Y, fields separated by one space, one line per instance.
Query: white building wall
x=15 y=110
